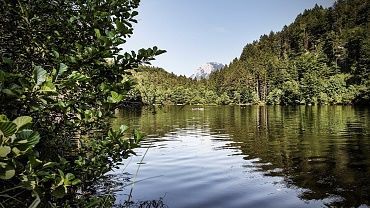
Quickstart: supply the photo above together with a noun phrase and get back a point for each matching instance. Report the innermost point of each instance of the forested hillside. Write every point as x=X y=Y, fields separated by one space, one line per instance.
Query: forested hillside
x=156 y=86
x=321 y=58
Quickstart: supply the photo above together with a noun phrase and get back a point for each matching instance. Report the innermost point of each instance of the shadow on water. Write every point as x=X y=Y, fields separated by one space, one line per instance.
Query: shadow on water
x=144 y=204
x=324 y=151
x=111 y=184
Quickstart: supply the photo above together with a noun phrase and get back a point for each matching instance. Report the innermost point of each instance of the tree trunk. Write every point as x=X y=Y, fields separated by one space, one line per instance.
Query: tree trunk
x=258 y=89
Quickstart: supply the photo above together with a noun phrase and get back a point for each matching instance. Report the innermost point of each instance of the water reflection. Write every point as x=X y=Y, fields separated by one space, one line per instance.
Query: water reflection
x=324 y=152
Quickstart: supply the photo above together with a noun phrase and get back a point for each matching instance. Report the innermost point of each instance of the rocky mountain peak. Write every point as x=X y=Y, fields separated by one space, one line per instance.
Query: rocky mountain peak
x=205 y=70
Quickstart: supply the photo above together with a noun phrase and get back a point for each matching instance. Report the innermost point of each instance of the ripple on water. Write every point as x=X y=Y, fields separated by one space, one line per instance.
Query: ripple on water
x=254 y=157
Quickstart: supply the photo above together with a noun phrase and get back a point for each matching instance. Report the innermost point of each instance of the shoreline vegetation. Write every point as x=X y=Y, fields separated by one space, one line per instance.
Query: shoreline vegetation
x=320 y=58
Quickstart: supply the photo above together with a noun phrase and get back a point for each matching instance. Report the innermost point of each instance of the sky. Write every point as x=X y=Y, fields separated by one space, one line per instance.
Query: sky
x=195 y=32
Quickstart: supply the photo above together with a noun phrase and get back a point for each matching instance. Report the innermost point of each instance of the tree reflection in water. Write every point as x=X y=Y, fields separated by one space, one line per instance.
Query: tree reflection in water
x=325 y=151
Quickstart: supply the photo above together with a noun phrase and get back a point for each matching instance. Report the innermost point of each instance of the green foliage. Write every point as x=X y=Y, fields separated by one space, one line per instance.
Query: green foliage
x=321 y=58
x=17 y=144
x=61 y=65
x=311 y=86
x=275 y=96
x=224 y=99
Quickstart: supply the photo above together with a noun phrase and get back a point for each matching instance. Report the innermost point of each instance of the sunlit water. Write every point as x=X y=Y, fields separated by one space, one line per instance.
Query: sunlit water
x=249 y=156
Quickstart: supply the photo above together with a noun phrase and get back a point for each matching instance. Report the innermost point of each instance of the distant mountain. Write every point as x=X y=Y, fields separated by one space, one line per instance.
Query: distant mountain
x=204 y=71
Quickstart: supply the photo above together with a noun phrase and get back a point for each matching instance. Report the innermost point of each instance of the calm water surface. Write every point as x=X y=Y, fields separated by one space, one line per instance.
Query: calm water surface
x=249 y=156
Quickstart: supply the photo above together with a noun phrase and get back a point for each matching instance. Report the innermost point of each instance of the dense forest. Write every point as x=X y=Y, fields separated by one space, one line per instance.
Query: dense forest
x=321 y=58
x=156 y=86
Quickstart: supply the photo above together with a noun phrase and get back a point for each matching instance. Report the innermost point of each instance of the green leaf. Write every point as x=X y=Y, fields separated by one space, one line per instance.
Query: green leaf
x=159 y=52
x=34 y=161
x=32 y=137
x=59 y=192
x=39 y=75
x=2 y=76
x=72 y=19
x=49 y=164
x=75 y=182
x=120 y=26
x=4 y=151
x=8 y=173
x=72 y=59
x=134 y=13
x=69 y=178
x=62 y=68
x=8 y=128
x=9 y=92
x=48 y=86
x=97 y=33
x=123 y=128
x=3 y=118
x=138 y=136
x=56 y=54
x=22 y=121
x=3 y=165
x=61 y=173
x=16 y=151
x=115 y=97
x=77 y=76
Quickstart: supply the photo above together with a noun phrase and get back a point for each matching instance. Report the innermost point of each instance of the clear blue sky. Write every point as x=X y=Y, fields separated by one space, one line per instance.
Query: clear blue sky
x=195 y=32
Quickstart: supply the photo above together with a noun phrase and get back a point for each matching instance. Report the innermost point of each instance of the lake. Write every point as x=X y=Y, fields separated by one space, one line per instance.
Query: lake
x=248 y=156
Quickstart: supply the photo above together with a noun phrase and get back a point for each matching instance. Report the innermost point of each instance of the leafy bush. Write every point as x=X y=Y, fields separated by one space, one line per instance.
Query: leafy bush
x=275 y=96
x=17 y=143
x=224 y=99
x=61 y=65
x=323 y=98
x=292 y=93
